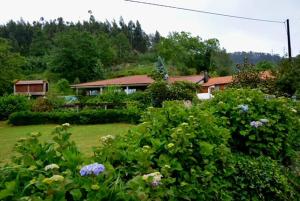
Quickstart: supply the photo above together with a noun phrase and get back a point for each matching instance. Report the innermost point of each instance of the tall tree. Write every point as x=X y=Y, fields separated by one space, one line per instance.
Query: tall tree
x=10 y=67
x=108 y=54
x=222 y=64
x=76 y=56
x=140 y=39
x=122 y=47
x=289 y=77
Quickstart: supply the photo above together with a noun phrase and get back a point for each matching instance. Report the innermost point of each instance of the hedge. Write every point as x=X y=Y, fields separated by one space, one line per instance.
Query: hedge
x=10 y=104
x=83 y=117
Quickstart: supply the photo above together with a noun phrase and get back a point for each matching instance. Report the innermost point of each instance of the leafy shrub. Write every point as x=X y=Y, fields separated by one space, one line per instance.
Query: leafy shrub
x=141 y=98
x=11 y=104
x=288 y=77
x=49 y=171
x=258 y=123
x=190 y=149
x=42 y=105
x=63 y=87
x=83 y=117
x=47 y=104
x=183 y=91
x=259 y=179
x=179 y=152
x=161 y=91
x=113 y=96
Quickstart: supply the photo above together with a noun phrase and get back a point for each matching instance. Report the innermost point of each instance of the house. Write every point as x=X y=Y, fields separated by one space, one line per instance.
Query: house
x=220 y=83
x=31 y=87
x=216 y=83
x=130 y=84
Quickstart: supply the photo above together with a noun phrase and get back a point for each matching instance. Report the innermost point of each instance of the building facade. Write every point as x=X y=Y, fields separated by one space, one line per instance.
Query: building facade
x=31 y=87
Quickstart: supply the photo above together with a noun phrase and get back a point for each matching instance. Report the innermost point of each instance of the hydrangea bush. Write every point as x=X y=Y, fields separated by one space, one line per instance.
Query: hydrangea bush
x=259 y=124
x=241 y=145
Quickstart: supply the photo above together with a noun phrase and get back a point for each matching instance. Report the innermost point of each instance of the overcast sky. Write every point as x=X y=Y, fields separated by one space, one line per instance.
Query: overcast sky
x=234 y=34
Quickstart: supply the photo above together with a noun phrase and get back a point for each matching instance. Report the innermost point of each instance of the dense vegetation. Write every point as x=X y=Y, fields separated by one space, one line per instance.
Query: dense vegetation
x=92 y=50
x=254 y=57
x=241 y=145
x=83 y=117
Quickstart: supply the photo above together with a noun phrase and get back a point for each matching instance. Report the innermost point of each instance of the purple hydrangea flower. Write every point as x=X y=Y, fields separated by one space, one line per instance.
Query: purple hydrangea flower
x=244 y=108
x=94 y=168
x=256 y=124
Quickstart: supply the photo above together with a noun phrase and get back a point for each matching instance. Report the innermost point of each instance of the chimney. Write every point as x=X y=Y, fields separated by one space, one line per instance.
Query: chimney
x=205 y=76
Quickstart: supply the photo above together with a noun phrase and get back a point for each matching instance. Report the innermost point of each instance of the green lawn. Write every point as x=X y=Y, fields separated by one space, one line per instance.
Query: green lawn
x=85 y=136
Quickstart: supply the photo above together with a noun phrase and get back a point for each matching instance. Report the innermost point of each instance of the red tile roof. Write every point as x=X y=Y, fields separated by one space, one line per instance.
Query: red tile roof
x=266 y=75
x=136 y=80
x=218 y=80
x=19 y=82
x=229 y=79
x=191 y=78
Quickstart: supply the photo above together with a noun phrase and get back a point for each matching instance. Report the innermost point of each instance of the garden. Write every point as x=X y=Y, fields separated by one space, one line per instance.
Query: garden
x=240 y=145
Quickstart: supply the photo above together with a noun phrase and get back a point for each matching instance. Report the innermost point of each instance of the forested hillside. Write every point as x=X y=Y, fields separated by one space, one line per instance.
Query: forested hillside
x=93 y=50
x=254 y=57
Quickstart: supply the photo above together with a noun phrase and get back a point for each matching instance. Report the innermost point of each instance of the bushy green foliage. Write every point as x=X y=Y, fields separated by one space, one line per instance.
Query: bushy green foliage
x=277 y=136
x=192 y=150
x=161 y=91
x=184 y=145
x=191 y=52
x=289 y=77
x=63 y=87
x=260 y=179
x=76 y=55
x=47 y=104
x=142 y=98
x=249 y=76
x=200 y=152
x=82 y=117
x=10 y=104
x=113 y=96
x=31 y=180
x=42 y=105
x=10 y=67
x=160 y=72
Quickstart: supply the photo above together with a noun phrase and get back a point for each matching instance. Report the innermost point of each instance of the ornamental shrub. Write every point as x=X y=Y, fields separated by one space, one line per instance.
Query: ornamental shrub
x=188 y=147
x=259 y=179
x=113 y=96
x=161 y=91
x=10 y=104
x=47 y=104
x=269 y=126
x=83 y=117
x=184 y=145
x=51 y=171
x=179 y=152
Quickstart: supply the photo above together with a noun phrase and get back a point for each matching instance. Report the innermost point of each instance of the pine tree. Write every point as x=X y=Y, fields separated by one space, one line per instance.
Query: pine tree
x=161 y=72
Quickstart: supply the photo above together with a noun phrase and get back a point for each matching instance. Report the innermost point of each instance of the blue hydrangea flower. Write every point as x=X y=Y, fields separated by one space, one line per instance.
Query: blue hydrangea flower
x=243 y=107
x=256 y=124
x=94 y=168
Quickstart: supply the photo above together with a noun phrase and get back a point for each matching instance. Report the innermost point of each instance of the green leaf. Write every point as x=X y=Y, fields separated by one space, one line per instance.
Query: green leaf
x=8 y=191
x=252 y=137
x=206 y=148
x=76 y=193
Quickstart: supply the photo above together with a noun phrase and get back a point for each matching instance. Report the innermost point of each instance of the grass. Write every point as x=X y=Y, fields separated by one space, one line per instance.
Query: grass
x=128 y=69
x=85 y=136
